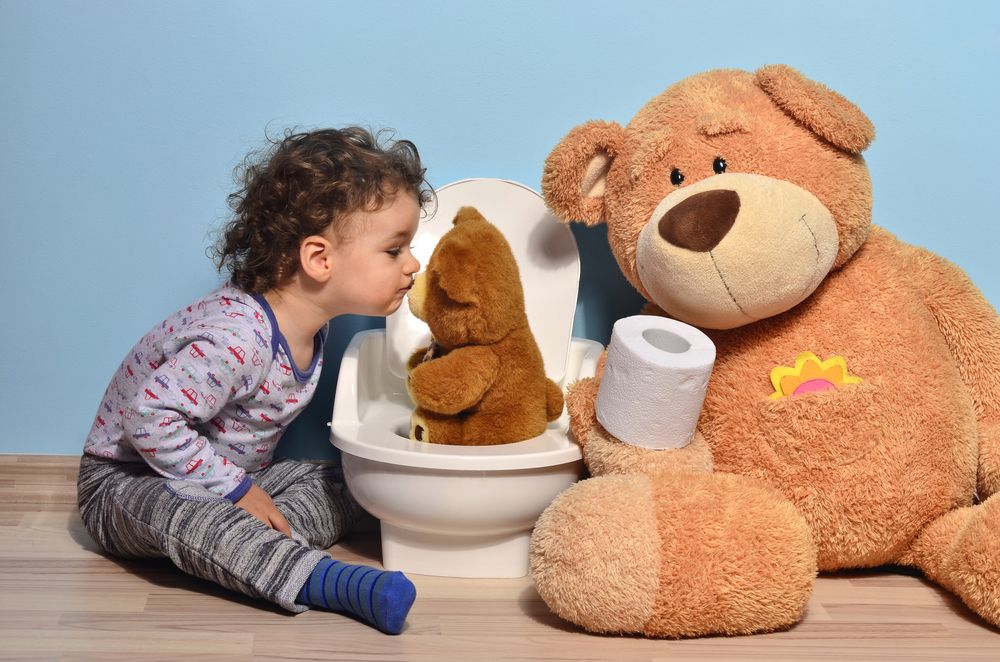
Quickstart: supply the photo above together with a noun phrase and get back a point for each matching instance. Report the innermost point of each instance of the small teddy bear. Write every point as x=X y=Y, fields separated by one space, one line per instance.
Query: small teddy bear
x=482 y=380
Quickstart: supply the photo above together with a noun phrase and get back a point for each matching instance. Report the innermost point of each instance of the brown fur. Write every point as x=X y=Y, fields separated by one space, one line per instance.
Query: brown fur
x=883 y=471
x=486 y=381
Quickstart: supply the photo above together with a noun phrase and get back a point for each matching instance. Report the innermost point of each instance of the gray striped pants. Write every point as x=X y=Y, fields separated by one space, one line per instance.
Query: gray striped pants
x=132 y=512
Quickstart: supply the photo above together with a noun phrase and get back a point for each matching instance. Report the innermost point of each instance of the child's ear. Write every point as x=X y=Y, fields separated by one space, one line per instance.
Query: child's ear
x=316 y=257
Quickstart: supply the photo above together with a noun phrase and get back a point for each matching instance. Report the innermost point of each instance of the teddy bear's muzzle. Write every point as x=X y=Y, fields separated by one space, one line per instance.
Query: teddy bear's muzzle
x=735 y=248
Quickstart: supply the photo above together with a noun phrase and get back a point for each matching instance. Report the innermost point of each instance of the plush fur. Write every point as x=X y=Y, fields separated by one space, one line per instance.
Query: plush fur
x=888 y=470
x=483 y=381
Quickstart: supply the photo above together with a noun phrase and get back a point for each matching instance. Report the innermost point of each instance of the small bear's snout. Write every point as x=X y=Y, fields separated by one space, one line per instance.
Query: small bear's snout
x=702 y=221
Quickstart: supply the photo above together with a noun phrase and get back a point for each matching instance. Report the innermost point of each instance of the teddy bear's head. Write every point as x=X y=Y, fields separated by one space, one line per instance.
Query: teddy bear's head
x=470 y=293
x=729 y=197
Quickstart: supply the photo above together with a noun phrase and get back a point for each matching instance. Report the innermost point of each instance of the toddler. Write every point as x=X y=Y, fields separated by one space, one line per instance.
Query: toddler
x=179 y=461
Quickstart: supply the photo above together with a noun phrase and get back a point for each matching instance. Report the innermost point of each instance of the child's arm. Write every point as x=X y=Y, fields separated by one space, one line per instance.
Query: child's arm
x=258 y=503
x=455 y=381
x=177 y=400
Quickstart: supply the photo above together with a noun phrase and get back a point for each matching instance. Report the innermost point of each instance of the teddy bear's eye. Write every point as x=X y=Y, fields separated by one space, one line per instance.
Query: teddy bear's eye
x=719 y=165
x=676 y=177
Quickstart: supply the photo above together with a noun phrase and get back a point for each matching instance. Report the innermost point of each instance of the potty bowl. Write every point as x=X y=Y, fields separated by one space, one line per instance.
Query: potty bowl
x=464 y=511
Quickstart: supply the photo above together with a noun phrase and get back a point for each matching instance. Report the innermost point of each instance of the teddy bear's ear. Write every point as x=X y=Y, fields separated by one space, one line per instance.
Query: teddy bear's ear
x=459 y=278
x=823 y=111
x=576 y=171
x=465 y=214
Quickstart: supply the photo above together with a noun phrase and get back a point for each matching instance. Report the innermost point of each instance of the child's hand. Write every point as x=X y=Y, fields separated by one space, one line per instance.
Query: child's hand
x=258 y=503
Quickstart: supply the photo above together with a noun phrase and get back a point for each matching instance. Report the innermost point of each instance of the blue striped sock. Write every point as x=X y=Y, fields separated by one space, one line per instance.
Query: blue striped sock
x=381 y=598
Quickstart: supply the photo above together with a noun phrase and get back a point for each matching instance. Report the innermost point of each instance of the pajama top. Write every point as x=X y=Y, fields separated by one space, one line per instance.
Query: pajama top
x=206 y=395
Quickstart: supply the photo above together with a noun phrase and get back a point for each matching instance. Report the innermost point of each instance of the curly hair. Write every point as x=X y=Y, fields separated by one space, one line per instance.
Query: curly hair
x=302 y=185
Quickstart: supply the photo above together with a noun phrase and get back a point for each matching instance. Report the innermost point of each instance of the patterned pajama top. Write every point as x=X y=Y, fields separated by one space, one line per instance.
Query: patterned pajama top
x=206 y=395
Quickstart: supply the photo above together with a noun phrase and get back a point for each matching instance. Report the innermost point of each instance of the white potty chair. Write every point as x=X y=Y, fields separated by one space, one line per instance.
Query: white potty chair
x=464 y=511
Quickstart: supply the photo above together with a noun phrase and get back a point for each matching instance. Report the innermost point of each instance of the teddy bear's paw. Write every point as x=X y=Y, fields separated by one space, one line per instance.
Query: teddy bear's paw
x=971 y=565
x=605 y=454
x=595 y=554
x=419 y=430
x=433 y=428
x=689 y=555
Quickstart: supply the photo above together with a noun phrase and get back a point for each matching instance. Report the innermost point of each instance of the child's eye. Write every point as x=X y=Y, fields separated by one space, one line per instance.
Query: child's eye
x=395 y=252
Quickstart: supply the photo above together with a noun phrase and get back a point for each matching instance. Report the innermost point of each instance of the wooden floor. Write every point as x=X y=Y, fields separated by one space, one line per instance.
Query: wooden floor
x=61 y=599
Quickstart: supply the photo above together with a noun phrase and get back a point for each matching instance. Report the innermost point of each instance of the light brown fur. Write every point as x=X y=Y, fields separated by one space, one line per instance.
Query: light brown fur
x=884 y=471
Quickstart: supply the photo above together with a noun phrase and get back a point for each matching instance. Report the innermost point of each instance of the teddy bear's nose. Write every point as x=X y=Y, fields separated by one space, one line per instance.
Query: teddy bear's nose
x=700 y=222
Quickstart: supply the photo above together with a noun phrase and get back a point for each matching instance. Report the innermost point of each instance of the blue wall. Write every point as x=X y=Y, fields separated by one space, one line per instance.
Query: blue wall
x=121 y=122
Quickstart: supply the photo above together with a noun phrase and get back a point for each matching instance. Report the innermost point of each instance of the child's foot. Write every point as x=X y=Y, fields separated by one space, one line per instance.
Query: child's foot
x=381 y=598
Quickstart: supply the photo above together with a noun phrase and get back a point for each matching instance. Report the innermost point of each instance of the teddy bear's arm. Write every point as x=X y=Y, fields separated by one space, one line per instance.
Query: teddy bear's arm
x=455 y=381
x=416 y=358
x=971 y=328
x=581 y=398
x=606 y=455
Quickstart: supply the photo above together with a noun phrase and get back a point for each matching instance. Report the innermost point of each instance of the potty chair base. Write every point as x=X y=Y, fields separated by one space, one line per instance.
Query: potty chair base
x=423 y=553
x=473 y=519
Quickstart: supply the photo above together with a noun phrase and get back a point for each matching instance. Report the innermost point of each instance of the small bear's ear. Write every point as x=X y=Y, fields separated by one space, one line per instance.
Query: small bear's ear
x=576 y=172
x=467 y=213
x=459 y=277
x=821 y=110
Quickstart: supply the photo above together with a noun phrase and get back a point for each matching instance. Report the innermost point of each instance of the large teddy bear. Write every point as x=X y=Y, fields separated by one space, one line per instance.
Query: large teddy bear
x=853 y=416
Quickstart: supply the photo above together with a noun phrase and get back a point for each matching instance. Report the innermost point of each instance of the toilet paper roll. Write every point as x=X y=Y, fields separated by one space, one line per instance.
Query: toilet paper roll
x=654 y=381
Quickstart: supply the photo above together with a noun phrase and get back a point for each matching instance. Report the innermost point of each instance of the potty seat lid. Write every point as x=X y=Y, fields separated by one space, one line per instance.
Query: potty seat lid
x=547 y=259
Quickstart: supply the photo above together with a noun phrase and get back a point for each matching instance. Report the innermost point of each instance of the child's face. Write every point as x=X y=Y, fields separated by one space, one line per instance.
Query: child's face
x=373 y=269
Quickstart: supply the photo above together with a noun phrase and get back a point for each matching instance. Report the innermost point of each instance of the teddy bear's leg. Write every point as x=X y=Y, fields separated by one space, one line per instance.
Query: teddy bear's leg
x=680 y=556
x=484 y=428
x=434 y=428
x=961 y=551
x=554 y=400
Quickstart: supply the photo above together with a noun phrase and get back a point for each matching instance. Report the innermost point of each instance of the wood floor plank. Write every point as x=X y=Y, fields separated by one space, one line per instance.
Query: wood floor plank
x=174 y=644
x=60 y=598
